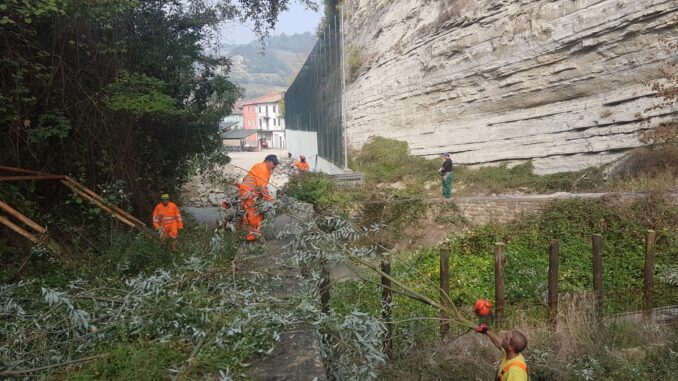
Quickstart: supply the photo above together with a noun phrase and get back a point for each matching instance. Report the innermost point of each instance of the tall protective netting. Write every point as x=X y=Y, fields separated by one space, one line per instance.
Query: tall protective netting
x=313 y=101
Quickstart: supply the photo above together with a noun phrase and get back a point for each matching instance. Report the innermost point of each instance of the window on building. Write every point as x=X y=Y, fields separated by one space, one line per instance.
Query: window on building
x=275 y=108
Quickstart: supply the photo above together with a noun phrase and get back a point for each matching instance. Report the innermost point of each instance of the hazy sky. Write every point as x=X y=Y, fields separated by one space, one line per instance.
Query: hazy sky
x=296 y=20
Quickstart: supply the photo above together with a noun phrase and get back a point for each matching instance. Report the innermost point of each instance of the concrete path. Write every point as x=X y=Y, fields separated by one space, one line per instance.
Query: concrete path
x=296 y=356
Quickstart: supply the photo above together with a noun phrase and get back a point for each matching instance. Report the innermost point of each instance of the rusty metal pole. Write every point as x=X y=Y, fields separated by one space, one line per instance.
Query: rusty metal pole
x=648 y=279
x=99 y=204
x=25 y=233
x=444 y=289
x=19 y=216
x=499 y=284
x=598 y=275
x=553 y=283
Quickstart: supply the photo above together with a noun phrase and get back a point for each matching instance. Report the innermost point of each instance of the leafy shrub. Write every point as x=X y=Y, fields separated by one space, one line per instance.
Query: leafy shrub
x=496 y=179
x=527 y=241
x=388 y=160
x=354 y=62
x=315 y=188
x=128 y=362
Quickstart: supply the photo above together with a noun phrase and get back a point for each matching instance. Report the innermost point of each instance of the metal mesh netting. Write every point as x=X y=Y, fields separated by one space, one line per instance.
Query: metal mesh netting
x=313 y=101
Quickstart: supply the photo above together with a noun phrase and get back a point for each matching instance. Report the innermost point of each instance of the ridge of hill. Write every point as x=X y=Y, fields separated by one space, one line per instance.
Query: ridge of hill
x=271 y=67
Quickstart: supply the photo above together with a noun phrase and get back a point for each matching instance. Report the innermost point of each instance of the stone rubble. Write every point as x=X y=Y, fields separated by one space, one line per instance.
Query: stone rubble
x=201 y=192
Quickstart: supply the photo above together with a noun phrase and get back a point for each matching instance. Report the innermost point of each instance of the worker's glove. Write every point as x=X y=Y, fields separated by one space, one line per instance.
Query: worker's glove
x=481 y=328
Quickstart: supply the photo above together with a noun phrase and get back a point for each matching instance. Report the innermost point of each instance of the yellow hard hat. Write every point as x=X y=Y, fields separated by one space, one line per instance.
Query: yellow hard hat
x=164 y=196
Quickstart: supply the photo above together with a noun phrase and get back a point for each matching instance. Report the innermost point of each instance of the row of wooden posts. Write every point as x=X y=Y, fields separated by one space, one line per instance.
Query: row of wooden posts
x=499 y=283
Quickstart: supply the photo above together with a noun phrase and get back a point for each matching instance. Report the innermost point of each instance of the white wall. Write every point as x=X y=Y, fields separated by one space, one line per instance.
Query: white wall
x=306 y=143
x=265 y=110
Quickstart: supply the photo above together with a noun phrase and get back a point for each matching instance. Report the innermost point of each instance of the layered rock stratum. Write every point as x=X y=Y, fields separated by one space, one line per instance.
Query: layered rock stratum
x=564 y=83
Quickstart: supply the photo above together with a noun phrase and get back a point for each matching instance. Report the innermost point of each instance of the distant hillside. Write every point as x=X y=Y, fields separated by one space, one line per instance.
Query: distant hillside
x=272 y=68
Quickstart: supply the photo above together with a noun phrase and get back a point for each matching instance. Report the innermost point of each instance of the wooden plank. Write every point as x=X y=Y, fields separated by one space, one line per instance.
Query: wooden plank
x=499 y=283
x=16 y=214
x=598 y=275
x=386 y=304
x=444 y=289
x=648 y=278
x=18 y=229
x=553 y=283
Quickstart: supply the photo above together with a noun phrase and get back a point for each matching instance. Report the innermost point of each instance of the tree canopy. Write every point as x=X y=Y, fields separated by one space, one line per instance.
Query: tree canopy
x=116 y=89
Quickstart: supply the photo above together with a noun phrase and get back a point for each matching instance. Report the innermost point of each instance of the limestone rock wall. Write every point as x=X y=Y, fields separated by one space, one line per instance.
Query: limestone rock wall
x=560 y=82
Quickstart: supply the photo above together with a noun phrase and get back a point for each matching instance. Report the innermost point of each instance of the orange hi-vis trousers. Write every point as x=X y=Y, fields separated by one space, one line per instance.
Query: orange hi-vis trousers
x=169 y=218
x=254 y=186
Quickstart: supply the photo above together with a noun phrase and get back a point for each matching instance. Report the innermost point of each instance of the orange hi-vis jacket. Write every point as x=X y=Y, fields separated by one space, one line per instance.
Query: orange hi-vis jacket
x=169 y=218
x=255 y=183
x=302 y=166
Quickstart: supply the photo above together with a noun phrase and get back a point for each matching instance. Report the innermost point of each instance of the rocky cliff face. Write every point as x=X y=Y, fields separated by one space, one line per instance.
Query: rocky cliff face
x=560 y=82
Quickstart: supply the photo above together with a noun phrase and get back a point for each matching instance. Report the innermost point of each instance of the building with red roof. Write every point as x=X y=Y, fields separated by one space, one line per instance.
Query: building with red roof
x=264 y=115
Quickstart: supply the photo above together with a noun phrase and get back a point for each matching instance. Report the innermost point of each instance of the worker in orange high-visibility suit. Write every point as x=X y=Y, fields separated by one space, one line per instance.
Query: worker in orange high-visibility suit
x=167 y=219
x=301 y=165
x=253 y=187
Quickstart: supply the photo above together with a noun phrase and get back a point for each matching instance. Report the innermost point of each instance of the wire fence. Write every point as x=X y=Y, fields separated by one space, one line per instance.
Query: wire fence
x=314 y=100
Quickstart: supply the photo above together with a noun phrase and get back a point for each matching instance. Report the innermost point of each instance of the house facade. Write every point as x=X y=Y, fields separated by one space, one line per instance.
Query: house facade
x=235 y=120
x=264 y=115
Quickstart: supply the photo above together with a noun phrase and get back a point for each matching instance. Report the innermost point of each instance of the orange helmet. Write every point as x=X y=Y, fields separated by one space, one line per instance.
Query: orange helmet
x=482 y=307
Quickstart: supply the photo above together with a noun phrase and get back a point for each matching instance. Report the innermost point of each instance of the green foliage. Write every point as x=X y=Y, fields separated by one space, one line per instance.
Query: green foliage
x=281 y=107
x=527 y=241
x=129 y=362
x=496 y=179
x=139 y=95
x=331 y=8
x=129 y=95
x=141 y=308
x=315 y=188
x=51 y=125
x=387 y=160
x=354 y=62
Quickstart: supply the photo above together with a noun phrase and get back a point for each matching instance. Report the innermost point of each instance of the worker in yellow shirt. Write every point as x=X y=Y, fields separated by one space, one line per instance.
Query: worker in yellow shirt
x=167 y=220
x=512 y=366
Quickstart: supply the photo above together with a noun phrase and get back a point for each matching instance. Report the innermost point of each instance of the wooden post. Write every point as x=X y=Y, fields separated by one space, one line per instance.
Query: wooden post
x=598 y=275
x=553 y=283
x=648 y=279
x=444 y=289
x=324 y=288
x=499 y=285
x=386 y=299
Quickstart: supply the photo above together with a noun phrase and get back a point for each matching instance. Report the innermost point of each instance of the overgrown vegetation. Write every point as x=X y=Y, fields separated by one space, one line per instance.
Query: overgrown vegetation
x=354 y=62
x=388 y=161
x=316 y=188
x=111 y=91
x=140 y=311
x=576 y=349
x=575 y=352
x=502 y=178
